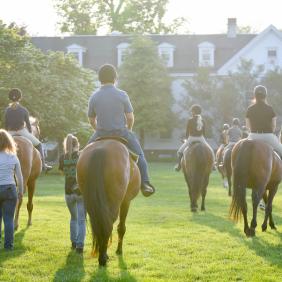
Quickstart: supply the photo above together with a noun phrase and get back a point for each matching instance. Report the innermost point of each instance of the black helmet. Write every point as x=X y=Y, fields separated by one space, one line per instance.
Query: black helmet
x=235 y=121
x=15 y=94
x=260 y=92
x=196 y=109
x=226 y=126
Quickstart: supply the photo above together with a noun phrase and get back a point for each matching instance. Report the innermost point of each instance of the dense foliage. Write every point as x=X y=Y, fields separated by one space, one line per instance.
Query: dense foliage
x=127 y=16
x=55 y=88
x=144 y=76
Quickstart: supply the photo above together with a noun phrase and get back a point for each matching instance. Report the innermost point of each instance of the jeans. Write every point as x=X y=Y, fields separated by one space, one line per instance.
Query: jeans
x=133 y=145
x=8 y=202
x=77 y=222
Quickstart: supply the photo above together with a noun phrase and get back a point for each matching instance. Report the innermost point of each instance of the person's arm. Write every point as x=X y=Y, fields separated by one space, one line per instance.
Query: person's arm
x=187 y=129
x=93 y=122
x=248 y=123
x=27 y=122
x=273 y=124
x=129 y=120
x=19 y=176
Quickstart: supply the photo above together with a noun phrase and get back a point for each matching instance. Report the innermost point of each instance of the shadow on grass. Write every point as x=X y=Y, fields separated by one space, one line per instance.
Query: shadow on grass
x=266 y=250
x=19 y=248
x=73 y=270
x=102 y=274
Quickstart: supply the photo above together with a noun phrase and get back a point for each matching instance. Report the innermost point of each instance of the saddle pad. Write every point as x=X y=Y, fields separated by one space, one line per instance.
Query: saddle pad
x=117 y=138
x=133 y=156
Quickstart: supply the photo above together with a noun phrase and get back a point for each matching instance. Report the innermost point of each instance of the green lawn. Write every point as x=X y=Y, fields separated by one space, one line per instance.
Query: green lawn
x=164 y=240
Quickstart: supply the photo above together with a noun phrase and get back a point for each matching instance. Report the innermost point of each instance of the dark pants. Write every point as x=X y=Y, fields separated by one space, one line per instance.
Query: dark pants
x=133 y=145
x=8 y=201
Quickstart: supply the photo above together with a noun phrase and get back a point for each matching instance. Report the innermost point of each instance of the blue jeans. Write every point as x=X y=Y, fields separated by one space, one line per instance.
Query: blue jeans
x=8 y=202
x=75 y=205
x=133 y=145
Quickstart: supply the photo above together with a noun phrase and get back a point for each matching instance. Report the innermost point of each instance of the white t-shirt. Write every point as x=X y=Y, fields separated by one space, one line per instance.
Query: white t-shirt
x=8 y=163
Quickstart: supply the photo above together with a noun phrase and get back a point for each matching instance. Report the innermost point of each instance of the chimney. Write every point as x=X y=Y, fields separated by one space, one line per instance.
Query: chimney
x=232 y=28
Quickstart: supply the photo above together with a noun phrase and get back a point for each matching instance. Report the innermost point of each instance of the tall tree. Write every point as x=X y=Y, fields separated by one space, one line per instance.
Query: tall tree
x=127 y=16
x=55 y=88
x=145 y=78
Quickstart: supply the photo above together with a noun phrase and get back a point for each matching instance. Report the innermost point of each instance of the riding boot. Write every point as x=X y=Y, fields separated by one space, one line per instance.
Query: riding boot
x=45 y=167
x=178 y=165
x=147 y=189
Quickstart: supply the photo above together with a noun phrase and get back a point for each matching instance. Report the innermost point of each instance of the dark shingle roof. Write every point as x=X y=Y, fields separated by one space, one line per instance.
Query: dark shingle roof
x=103 y=49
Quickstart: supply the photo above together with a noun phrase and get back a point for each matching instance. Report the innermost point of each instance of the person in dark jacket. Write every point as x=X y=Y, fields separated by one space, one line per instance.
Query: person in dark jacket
x=195 y=132
x=16 y=122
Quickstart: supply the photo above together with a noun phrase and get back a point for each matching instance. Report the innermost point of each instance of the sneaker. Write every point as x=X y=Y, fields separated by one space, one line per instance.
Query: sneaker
x=147 y=189
x=79 y=250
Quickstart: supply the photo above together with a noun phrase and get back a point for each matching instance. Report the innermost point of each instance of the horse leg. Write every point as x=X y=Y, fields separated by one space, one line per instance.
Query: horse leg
x=95 y=249
x=31 y=188
x=121 y=226
x=268 y=208
x=204 y=193
x=255 y=200
x=17 y=214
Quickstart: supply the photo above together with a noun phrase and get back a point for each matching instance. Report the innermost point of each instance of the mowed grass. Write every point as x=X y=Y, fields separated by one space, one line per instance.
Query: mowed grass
x=164 y=240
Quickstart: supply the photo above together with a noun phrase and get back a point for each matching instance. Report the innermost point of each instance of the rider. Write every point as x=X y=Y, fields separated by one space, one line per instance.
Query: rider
x=110 y=113
x=261 y=119
x=223 y=134
x=234 y=133
x=195 y=131
x=16 y=121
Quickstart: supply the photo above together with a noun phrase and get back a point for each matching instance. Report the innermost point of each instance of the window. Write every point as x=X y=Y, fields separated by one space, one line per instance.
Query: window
x=206 y=54
x=272 y=56
x=122 y=50
x=77 y=51
x=166 y=53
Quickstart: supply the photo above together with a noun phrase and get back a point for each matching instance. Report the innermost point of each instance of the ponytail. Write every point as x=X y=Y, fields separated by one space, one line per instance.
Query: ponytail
x=200 y=123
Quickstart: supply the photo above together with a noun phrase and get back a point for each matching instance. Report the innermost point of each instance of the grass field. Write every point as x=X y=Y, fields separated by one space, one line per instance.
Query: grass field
x=164 y=240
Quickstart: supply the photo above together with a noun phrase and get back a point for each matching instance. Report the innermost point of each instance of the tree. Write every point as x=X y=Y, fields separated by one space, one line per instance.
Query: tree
x=145 y=78
x=127 y=16
x=54 y=86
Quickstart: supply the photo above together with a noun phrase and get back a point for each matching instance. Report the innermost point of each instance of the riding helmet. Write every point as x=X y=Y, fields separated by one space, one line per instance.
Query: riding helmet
x=15 y=94
x=226 y=126
x=260 y=92
x=196 y=109
x=236 y=121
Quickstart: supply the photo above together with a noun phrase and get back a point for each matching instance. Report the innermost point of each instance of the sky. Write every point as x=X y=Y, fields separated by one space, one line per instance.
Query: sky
x=204 y=16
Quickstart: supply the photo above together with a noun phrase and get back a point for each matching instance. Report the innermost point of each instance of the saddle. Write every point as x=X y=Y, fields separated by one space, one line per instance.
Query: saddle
x=122 y=140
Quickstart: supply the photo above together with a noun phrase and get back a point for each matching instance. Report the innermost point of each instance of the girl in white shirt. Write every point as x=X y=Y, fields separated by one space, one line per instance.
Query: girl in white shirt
x=9 y=168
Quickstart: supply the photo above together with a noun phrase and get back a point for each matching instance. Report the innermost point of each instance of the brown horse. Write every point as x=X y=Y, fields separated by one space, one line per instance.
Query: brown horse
x=109 y=180
x=31 y=167
x=255 y=165
x=197 y=164
x=219 y=163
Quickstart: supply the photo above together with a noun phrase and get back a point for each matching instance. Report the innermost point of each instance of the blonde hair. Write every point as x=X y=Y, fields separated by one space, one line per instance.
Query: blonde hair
x=200 y=123
x=71 y=144
x=7 y=143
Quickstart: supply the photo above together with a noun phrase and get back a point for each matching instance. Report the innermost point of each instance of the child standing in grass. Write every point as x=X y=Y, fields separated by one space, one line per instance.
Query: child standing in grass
x=9 y=168
x=73 y=196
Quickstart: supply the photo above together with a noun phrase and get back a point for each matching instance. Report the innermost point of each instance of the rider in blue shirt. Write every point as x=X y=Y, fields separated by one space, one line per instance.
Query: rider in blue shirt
x=110 y=113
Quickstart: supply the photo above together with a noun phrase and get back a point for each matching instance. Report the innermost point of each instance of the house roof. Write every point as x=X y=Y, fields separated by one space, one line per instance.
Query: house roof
x=103 y=49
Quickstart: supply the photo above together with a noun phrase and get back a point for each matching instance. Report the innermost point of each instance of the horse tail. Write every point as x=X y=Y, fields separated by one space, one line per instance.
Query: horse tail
x=240 y=180
x=197 y=170
x=95 y=198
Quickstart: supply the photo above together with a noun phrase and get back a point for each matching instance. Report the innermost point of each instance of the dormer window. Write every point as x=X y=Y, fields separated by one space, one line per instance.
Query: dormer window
x=77 y=51
x=206 y=54
x=122 y=50
x=166 y=53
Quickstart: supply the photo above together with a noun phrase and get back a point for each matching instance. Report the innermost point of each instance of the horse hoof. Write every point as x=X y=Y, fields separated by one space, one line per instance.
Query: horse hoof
x=273 y=227
x=203 y=209
x=194 y=210
x=263 y=228
x=119 y=252
x=16 y=227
